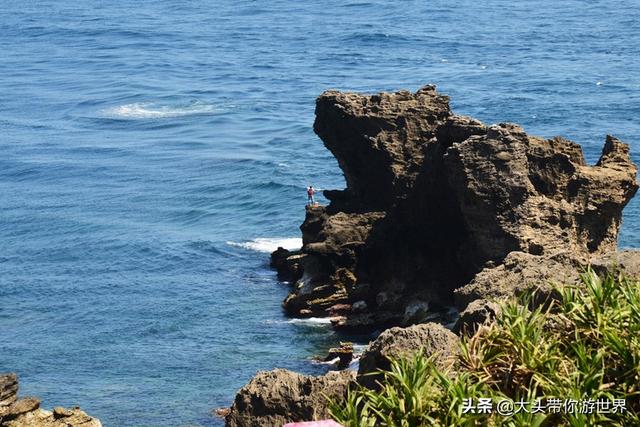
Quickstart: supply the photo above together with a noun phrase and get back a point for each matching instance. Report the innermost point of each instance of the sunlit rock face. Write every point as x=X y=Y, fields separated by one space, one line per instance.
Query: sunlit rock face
x=433 y=198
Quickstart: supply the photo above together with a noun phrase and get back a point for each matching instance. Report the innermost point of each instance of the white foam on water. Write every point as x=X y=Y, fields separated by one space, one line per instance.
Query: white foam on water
x=327 y=362
x=311 y=321
x=152 y=110
x=269 y=244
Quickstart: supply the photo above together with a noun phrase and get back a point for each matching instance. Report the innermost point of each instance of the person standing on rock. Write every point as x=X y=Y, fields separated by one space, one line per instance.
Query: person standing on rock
x=310 y=199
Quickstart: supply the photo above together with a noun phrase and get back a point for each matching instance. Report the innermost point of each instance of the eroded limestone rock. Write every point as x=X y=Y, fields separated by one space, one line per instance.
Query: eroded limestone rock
x=277 y=397
x=430 y=338
x=435 y=201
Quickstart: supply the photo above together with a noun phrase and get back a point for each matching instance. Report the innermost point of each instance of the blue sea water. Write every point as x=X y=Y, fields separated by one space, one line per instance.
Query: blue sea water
x=152 y=152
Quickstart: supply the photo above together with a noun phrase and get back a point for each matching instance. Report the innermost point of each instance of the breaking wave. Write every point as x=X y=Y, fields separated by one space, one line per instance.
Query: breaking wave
x=311 y=321
x=265 y=244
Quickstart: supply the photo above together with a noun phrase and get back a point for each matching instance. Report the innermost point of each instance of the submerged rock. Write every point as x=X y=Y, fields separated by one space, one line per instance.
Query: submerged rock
x=437 y=203
x=277 y=397
x=26 y=412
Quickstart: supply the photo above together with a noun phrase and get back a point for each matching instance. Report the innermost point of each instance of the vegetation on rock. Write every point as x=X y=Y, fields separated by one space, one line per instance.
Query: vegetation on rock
x=581 y=345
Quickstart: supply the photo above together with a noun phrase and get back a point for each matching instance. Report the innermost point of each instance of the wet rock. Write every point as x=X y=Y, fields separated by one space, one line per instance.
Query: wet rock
x=288 y=264
x=339 y=309
x=277 y=397
x=344 y=354
x=365 y=322
x=430 y=338
x=359 y=306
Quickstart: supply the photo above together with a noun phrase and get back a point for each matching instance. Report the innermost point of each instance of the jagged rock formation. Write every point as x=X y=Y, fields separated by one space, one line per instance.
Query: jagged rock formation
x=277 y=397
x=26 y=411
x=437 y=202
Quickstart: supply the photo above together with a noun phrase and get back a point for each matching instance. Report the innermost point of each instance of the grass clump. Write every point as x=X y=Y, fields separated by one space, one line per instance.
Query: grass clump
x=573 y=361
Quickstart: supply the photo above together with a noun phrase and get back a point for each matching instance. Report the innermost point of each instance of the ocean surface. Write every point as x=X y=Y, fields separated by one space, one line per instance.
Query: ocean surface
x=152 y=153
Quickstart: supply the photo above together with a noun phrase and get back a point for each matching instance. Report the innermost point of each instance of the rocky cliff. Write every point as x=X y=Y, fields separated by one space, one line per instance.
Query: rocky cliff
x=435 y=202
x=26 y=411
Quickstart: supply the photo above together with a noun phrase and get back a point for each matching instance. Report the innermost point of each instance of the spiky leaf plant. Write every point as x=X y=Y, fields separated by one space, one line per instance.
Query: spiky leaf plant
x=581 y=348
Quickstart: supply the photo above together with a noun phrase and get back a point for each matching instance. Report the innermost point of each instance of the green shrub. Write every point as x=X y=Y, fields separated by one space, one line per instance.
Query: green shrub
x=583 y=345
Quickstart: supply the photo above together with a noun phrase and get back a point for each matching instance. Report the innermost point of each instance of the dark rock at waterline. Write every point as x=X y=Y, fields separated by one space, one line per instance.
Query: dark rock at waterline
x=437 y=203
x=344 y=354
x=288 y=264
x=26 y=411
x=277 y=397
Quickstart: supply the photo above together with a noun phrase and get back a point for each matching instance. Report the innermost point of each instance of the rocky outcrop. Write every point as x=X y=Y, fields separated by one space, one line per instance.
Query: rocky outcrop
x=26 y=411
x=476 y=314
x=378 y=141
x=277 y=397
x=8 y=389
x=441 y=208
x=396 y=343
x=342 y=356
x=522 y=272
